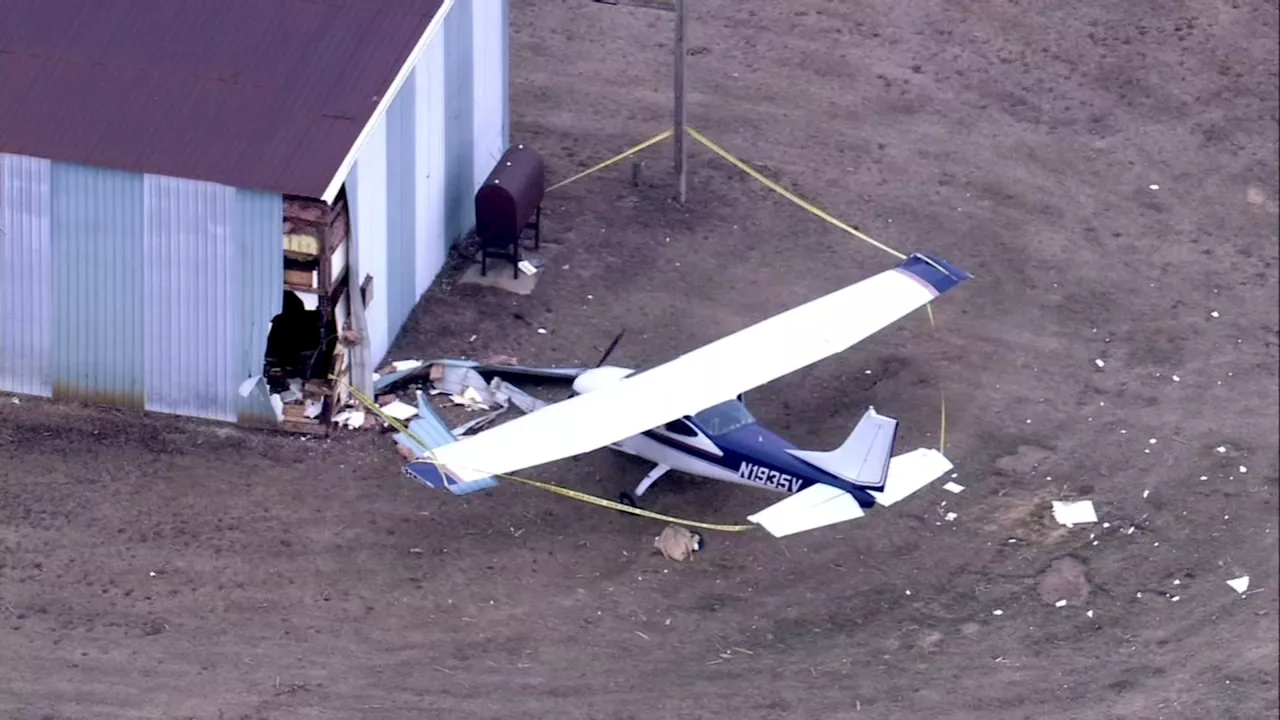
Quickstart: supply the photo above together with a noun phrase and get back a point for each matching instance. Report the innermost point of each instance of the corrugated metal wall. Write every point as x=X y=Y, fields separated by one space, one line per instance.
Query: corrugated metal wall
x=412 y=190
x=26 y=305
x=135 y=291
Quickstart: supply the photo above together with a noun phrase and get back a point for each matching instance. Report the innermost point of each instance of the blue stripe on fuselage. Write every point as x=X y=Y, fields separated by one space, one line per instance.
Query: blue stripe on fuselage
x=757 y=455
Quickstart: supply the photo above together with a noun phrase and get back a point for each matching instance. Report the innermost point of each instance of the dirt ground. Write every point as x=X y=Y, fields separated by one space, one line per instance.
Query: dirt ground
x=158 y=568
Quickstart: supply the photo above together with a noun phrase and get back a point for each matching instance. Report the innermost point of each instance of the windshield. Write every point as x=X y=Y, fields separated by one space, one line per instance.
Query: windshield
x=725 y=417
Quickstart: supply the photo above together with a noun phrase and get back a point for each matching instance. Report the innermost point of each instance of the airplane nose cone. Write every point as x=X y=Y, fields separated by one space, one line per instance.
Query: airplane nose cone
x=596 y=378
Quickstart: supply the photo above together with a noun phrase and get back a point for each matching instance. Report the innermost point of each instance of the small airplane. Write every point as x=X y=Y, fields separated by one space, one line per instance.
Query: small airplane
x=688 y=414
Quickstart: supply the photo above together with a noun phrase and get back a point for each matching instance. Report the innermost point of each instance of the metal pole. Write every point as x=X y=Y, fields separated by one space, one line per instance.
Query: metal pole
x=679 y=138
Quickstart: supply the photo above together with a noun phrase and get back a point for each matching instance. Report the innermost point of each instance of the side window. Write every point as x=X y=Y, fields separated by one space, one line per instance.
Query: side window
x=680 y=427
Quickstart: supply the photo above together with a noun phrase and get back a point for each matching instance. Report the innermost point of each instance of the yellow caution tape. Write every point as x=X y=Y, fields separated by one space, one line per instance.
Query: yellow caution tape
x=620 y=156
x=790 y=195
x=563 y=491
x=942 y=434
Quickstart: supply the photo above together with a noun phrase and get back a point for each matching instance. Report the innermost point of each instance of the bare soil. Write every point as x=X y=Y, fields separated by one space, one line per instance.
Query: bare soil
x=160 y=568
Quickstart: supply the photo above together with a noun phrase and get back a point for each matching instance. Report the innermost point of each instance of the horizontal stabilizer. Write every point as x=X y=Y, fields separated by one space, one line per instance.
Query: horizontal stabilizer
x=910 y=472
x=814 y=507
x=863 y=459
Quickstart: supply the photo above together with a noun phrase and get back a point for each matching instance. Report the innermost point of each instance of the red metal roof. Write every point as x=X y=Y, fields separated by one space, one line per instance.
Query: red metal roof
x=265 y=94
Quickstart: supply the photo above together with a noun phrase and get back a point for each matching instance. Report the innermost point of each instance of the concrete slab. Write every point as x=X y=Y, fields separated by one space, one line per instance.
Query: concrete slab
x=499 y=276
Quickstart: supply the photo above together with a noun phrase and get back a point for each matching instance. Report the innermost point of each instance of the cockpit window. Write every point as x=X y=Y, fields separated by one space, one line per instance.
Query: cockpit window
x=723 y=418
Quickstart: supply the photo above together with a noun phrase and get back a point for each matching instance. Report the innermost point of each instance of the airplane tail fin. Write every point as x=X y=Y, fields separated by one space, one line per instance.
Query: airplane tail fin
x=429 y=432
x=821 y=505
x=863 y=458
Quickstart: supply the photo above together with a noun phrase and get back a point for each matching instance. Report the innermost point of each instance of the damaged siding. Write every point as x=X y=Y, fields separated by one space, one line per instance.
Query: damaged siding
x=259 y=284
x=135 y=290
x=412 y=190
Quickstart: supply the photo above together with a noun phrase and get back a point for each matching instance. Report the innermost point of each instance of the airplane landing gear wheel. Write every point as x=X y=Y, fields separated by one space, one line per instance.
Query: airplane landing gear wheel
x=699 y=542
x=627 y=499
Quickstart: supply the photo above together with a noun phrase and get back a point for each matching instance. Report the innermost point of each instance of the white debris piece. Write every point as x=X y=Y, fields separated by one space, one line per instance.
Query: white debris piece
x=953 y=487
x=1060 y=603
x=1100 y=362
x=1153 y=186
x=353 y=419
x=1145 y=493
x=402 y=365
x=1089 y=613
x=542 y=331
x=997 y=612
x=399 y=410
x=1214 y=314
x=15 y=401
x=1078 y=512
x=1153 y=441
x=1176 y=378
x=1244 y=469
x=1239 y=584
x=949 y=517
x=1220 y=449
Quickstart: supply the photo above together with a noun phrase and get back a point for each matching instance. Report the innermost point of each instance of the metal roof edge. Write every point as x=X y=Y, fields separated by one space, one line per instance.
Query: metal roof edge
x=331 y=191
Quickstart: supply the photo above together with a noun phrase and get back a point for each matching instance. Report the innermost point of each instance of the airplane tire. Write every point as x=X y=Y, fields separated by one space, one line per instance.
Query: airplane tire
x=627 y=499
x=701 y=540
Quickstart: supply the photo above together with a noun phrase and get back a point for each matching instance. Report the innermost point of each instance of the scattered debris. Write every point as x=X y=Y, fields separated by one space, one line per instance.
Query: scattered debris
x=1089 y=613
x=1214 y=314
x=953 y=487
x=1060 y=603
x=1153 y=186
x=1240 y=584
x=1100 y=362
x=353 y=419
x=1243 y=469
x=949 y=517
x=997 y=612
x=1078 y=512
x=677 y=543
x=526 y=267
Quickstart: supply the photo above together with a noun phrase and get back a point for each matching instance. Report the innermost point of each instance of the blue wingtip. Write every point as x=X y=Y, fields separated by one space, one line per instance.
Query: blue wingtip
x=429 y=474
x=937 y=273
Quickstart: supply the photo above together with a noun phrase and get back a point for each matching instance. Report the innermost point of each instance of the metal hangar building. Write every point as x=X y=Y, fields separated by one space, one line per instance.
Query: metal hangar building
x=186 y=185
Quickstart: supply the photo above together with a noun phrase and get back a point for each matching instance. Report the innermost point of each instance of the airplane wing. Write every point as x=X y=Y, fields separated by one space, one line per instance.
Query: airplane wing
x=703 y=377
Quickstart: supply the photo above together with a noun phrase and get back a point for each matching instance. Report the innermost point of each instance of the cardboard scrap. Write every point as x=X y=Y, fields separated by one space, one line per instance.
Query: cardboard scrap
x=1240 y=584
x=1079 y=512
x=400 y=410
